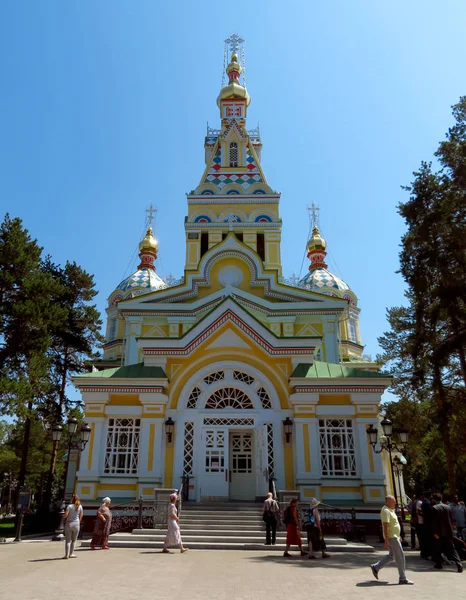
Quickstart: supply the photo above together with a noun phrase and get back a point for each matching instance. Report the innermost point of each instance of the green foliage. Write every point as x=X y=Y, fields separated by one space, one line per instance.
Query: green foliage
x=49 y=328
x=425 y=348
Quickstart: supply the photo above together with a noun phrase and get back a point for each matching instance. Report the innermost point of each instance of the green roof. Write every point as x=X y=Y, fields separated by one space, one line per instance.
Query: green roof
x=330 y=370
x=138 y=371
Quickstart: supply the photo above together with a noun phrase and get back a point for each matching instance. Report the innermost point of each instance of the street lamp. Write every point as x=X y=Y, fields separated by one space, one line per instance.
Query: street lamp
x=389 y=445
x=398 y=464
x=56 y=433
x=76 y=441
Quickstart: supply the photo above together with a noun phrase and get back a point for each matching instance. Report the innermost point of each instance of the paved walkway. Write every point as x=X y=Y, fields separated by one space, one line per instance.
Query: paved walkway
x=33 y=570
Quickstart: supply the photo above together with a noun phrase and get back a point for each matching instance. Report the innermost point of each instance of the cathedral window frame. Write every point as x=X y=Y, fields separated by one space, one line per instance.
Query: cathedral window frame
x=122 y=444
x=352 y=329
x=190 y=401
x=233 y=155
x=337 y=447
x=229 y=397
x=112 y=329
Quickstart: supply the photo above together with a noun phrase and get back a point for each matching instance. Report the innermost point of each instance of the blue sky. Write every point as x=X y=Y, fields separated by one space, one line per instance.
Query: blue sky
x=104 y=107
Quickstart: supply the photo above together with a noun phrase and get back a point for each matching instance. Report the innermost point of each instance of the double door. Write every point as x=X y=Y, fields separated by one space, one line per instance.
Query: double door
x=229 y=465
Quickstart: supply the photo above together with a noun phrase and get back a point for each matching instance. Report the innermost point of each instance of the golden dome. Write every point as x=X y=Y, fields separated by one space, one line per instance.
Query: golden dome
x=234 y=89
x=316 y=242
x=149 y=243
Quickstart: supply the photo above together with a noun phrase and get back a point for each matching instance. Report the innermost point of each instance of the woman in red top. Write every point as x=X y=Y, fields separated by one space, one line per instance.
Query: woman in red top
x=293 y=537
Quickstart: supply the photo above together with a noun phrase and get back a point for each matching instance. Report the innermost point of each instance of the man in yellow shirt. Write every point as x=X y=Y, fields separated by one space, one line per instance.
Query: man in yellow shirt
x=391 y=535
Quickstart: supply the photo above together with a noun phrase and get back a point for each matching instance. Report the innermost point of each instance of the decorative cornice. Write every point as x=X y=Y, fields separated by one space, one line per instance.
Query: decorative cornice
x=236 y=199
x=172 y=313
x=112 y=343
x=237 y=225
x=230 y=316
x=121 y=390
x=339 y=389
x=350 y=343
x=290 y=312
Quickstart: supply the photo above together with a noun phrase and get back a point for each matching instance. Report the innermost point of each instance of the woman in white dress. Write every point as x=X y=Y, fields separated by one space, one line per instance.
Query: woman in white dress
x=173 y=532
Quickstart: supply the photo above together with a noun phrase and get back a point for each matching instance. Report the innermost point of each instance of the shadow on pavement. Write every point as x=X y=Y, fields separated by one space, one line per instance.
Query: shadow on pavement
x=45 y=559
x=374 y=583
x=350 y=561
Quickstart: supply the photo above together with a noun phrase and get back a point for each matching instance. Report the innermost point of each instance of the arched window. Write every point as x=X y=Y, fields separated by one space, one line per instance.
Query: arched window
x=233 y=154
x=228 y=397
x=352 y=330
x=112 y=330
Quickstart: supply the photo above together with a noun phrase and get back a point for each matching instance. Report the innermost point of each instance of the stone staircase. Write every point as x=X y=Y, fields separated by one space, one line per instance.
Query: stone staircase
x=221 y=526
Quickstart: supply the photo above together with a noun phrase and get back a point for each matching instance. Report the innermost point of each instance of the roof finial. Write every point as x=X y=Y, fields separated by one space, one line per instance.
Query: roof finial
x=314 y=215
x=150 y=210
x=234 y=42
x=235 y=46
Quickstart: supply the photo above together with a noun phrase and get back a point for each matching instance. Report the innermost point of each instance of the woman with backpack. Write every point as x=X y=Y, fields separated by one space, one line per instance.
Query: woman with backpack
x=291 y=520
x=313 y=528
x=270 y=518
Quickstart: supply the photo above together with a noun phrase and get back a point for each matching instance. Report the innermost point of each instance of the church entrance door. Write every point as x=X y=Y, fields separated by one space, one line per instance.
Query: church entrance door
x=242 y=473
x=214 y=481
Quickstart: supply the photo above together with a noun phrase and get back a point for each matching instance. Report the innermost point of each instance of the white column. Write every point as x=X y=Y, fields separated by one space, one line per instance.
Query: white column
x=362 y=453
x=97 y=424
x=133 y=327
x=331 y=342
x=316 y=469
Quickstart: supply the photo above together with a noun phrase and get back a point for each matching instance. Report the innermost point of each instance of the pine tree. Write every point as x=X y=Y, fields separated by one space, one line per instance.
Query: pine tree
x=433 y=264
x=26 y=317
x=73 y=343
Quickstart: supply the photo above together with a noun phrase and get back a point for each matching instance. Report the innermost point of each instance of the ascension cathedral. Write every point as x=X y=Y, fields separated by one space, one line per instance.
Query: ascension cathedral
x=232 y=377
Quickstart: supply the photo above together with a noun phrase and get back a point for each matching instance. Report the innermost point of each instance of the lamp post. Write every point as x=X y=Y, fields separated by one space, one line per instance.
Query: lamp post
x=398 y=464
x=76 y=441
x=389 y=445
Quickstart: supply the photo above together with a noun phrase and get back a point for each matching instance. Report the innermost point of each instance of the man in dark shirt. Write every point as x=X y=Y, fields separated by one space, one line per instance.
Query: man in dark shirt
x=426 y=532
x=443 y=534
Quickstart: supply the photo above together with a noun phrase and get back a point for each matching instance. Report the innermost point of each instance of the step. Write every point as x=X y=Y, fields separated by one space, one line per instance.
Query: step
x=215 y=521
x=234 y=514
x=253 y=516
x=202 y=537
x=154 y=534
x=222 y=505
x=129 y=543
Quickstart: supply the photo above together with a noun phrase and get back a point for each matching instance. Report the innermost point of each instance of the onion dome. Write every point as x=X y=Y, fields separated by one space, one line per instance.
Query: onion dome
x=145 y=279
x=234 y=89
x=149 y=243
x=319 y=278
x=316 y=242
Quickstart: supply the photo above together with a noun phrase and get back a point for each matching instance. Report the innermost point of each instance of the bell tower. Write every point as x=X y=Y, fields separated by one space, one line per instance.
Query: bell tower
x=233 y=194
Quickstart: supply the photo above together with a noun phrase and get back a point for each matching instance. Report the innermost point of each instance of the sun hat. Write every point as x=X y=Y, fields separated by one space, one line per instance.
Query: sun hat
x=314 y=502
x=173 y=496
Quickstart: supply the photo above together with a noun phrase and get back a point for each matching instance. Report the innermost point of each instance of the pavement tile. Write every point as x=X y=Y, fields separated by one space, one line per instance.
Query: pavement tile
x=34 y=570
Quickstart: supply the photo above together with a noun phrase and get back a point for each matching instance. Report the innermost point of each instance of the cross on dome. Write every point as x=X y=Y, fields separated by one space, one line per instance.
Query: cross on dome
x=314 y=211
x=151 y=211
x=234 y=42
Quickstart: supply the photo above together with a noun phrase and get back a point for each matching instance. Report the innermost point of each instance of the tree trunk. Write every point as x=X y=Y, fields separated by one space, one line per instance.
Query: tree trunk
x=24 y=457
x=443 y=408
x=53 y=459
x=45 y=507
